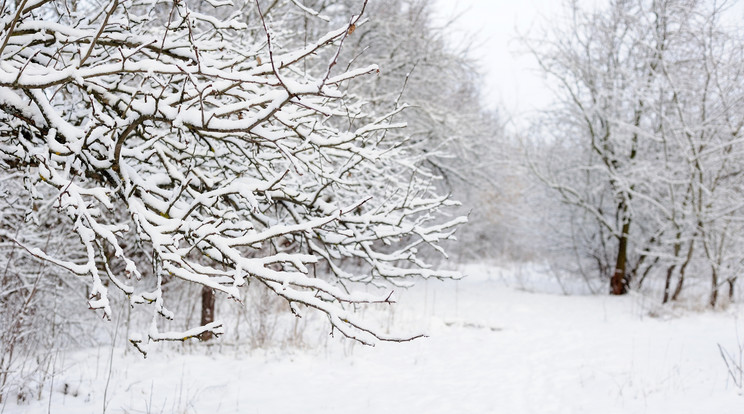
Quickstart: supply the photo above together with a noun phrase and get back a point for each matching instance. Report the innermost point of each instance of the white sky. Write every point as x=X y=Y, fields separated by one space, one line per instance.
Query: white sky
x=513 y=82
x=511 y=76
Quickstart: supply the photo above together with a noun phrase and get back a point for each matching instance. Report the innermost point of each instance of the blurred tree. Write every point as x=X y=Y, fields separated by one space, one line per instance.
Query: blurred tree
x=645 y=137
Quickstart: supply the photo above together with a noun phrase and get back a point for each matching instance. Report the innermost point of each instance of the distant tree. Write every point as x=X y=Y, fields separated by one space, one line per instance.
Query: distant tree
x=647 y=132
x=211 y=150
x=701 y=129
x=448 y=126
x=455 y=134
x=37 y=316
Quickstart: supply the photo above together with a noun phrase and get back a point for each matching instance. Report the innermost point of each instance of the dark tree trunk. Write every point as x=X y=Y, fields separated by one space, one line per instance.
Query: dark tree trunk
x=680 y=283
x=668 y=283
x=713 y=287
x=207 y=311
x=618 y=282
x=731 y=282
x=670 y=269
x=682 y=269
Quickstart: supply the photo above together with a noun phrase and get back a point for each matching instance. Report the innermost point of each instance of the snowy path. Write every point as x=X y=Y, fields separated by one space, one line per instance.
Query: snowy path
x=492 y=349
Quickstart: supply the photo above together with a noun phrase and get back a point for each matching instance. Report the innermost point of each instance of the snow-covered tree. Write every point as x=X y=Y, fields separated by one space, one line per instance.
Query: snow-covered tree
x=453 y=131
x=645 y=148
x=438 y=81
x=203 y=144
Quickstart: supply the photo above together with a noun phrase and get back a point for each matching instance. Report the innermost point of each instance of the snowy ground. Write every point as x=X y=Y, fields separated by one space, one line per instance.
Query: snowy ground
x=494 y=347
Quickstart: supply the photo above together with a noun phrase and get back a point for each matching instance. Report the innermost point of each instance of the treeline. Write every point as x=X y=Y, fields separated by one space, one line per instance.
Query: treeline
x=643 y=148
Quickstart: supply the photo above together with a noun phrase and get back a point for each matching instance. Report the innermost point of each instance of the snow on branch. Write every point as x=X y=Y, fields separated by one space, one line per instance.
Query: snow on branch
x=226 y=156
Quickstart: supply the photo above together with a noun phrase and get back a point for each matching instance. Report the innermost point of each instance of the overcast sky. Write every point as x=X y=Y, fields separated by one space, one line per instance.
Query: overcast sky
x=513 y=82
x=512 y=79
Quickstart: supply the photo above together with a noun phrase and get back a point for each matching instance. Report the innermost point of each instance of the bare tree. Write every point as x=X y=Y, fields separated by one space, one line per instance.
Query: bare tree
x=649 y=123
x=217 y=150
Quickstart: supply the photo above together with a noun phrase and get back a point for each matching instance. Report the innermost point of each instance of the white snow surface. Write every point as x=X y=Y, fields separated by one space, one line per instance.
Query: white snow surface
x=500 y=341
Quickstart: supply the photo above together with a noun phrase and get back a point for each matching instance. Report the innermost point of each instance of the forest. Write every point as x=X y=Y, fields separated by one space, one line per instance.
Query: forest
x=199 y=194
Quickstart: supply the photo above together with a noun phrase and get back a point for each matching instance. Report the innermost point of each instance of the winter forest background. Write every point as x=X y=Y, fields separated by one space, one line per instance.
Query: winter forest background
x=214 y=205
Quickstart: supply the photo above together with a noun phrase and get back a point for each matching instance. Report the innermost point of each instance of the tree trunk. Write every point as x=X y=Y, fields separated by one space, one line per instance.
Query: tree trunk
x=668 y=282
x=618 y=282
x=682 y=269
x=207 y=311
x=680 y=283
x=713 y=287
x=731 y=283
